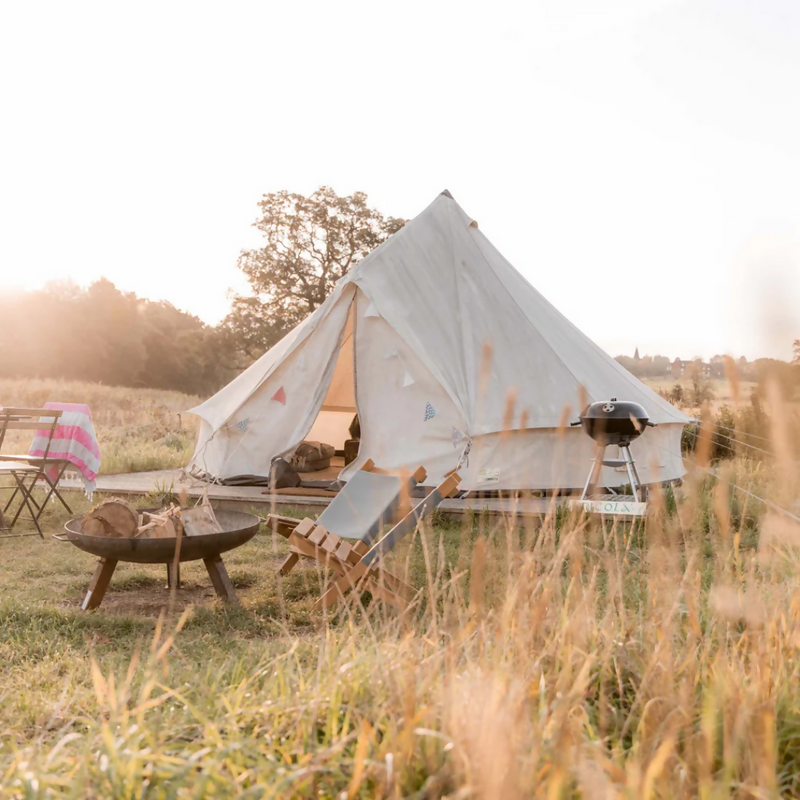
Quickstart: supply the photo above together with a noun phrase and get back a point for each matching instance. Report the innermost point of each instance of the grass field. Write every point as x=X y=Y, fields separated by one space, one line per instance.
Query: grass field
x=138 y=429
x=722 y=391
x=561 y=659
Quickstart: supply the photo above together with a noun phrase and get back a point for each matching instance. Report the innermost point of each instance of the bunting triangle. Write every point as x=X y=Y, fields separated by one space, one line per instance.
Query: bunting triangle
x=279 y=396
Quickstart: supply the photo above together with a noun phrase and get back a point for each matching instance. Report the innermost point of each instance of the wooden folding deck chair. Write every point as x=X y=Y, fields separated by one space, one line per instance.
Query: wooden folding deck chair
x=343 y=538
x=25 y=470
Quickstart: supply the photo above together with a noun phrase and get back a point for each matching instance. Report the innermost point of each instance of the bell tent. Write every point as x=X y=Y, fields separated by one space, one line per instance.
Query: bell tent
x=436 y=342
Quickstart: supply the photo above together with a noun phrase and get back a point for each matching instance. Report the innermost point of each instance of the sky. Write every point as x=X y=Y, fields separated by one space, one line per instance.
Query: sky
x=637 y=161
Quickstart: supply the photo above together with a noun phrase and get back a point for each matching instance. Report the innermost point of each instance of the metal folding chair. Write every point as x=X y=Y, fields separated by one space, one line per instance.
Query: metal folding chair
x=26 y=471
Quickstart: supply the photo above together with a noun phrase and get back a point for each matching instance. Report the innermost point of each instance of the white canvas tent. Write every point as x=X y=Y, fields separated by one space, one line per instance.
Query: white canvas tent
x=433 y=339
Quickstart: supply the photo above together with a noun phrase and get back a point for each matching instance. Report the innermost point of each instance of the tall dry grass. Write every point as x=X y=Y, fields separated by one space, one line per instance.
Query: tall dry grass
x=567 y=658
x=138 y=429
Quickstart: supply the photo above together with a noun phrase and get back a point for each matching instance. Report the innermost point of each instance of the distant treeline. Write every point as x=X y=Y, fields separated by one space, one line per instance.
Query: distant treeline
x=103 y=335
x=107 y=336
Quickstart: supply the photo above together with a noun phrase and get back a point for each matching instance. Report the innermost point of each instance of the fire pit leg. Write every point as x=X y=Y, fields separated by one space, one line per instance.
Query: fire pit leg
x=173 y=574
x=219 y=577
x=100 y=580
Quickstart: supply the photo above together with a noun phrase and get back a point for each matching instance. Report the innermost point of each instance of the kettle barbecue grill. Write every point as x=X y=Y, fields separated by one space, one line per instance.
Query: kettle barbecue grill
x=614 y=422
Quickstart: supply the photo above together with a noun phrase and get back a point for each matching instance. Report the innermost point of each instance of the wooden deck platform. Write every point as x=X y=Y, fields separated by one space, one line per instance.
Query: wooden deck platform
x=256 y=497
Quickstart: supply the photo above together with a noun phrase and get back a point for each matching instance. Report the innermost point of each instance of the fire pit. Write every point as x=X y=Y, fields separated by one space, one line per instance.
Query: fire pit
x=238 y=529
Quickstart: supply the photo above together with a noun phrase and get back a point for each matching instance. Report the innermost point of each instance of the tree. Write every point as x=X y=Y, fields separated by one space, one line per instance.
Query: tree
x=701 y=390
x=717 y=364
x=630 y=364
x=103 y=334
x=796 y=351
x=661 y=365
x=311 y=242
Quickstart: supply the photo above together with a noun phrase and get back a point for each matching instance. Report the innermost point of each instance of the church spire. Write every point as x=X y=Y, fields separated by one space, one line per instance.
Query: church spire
x=636 y=355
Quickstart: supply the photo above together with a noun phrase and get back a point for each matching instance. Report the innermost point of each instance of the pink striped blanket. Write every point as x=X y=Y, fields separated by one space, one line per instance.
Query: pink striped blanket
x=74 y=440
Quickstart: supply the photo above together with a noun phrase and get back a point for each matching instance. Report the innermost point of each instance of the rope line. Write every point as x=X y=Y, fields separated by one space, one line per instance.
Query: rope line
x=715 y=474
x=743 y=433
x=764 y=500
x=731 y=439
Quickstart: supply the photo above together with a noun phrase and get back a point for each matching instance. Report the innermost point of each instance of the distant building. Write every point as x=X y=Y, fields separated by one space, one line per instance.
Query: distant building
x=679 y=367
x=636 y=355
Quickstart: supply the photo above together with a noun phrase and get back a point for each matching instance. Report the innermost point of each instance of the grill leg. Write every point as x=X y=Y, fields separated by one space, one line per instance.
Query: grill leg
x=594 y=473
x=99 y=584
x=638 y=479
x=220 y=579
x=632 y=475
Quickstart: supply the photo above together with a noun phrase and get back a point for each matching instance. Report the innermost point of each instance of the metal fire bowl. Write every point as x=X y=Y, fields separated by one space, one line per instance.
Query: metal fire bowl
x=239 y=528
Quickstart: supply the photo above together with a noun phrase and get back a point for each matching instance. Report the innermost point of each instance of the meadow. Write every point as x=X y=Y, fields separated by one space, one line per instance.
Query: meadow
x=562 y=658
x=138 y=429
x=721 y=390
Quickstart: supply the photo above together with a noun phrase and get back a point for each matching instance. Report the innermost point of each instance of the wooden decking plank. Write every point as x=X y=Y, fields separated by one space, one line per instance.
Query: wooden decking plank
x=246 y=497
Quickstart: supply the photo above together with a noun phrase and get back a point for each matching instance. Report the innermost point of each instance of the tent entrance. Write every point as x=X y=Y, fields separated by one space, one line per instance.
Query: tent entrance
x=332 y=425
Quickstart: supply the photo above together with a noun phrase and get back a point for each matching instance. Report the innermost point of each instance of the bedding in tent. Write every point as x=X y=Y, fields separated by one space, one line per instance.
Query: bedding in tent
x=435 y=341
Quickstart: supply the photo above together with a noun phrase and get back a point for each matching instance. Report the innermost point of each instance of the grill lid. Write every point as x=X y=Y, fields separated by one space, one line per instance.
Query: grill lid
x=614 y=421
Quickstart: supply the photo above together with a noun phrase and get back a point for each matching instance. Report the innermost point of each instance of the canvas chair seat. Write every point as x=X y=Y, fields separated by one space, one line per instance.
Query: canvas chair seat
x=366 y=504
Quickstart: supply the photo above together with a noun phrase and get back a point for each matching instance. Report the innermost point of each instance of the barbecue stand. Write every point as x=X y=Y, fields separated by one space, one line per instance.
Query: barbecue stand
x=614 y=422
x=238 y=529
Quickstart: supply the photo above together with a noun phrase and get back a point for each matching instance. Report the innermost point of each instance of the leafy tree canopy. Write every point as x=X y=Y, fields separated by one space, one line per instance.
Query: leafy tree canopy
x=107 y=336
x=311 y=242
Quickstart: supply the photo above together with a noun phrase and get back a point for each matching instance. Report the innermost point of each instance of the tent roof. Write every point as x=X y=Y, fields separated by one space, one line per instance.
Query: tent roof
x=481 y=329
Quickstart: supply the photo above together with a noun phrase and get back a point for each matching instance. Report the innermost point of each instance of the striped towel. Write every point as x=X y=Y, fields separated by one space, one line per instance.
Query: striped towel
x=74 y=440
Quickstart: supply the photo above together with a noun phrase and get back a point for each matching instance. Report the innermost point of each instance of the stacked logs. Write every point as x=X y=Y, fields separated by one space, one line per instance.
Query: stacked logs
x=118 y=519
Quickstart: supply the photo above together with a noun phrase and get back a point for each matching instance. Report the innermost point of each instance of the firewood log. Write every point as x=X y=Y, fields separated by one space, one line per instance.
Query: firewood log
x=114 y=517
x=162 y=524
x=200 y=520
